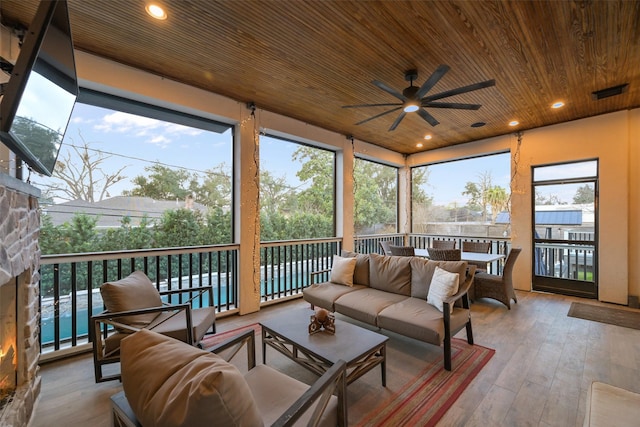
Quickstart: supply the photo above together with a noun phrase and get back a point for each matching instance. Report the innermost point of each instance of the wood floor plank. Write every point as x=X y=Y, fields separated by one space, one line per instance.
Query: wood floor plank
x=539 y=375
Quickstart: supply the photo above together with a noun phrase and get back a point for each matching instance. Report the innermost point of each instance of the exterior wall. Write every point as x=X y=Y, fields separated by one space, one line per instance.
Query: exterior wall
x=634 y=202
x=614 y=139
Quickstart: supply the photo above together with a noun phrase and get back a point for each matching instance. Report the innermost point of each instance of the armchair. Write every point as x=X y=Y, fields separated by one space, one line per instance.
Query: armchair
x=167 y=381
x=133 y=303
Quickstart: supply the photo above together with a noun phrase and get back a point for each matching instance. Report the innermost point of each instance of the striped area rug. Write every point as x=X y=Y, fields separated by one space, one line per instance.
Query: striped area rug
x=425 y=399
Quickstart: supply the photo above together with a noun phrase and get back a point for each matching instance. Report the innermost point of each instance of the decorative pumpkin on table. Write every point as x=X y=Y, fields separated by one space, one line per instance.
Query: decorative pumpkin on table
x=322 y=320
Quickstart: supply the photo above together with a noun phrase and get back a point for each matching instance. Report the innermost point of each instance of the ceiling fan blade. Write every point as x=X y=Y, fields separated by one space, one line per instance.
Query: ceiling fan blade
x=428 y=117
x=459 y=90
x=432 y=80
x=378 y=115
x=371 y=105
x=389 y=90
x=397 y=122
x=455 y=105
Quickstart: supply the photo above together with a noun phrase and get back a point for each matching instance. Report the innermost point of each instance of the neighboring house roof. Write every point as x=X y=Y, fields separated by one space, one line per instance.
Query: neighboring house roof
x=111 y=211
x=559 y=217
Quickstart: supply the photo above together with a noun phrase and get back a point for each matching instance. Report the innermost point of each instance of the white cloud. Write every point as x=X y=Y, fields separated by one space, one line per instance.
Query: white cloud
x=152 y=131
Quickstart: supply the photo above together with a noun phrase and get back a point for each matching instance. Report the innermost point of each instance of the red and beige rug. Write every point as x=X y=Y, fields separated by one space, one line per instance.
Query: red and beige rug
x=424 y=399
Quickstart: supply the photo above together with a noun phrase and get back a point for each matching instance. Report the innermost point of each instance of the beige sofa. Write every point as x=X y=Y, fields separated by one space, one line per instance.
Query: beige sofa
x=399 y=294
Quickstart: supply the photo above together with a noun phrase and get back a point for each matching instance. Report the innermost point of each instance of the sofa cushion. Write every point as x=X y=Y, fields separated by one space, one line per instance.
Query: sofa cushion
x=170 y=383
x=324 y=294
x=361 y=274
x=390 y=273
x=416 y=318
x=263 y=380
x=342 y=270
x=365 y=304
x=443 y=285
x=422 y=272
x=131 y=293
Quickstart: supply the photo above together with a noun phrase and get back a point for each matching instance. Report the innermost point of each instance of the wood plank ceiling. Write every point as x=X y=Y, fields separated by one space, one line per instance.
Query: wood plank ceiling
x=307 y=59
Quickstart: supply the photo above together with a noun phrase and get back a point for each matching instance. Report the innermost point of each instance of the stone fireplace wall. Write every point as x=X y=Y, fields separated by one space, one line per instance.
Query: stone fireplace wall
x=19 y=267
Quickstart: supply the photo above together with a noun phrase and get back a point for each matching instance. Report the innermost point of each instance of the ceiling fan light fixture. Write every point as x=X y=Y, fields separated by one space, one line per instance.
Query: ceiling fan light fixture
x=411 y=107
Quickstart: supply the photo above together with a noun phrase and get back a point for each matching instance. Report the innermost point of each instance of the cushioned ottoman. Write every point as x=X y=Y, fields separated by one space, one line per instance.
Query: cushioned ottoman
x=608 y=405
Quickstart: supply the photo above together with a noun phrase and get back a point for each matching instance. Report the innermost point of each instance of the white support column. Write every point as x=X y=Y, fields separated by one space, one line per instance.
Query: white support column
x=247 y=210
x=344 y=196
x=404 y=200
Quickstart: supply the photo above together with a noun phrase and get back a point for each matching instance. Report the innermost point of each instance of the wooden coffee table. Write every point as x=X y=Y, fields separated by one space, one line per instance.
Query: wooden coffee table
x=361 y=348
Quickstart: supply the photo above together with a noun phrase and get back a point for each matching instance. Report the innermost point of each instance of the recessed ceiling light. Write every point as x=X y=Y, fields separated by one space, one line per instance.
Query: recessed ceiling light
x=427 y=137
x=558 y=104
x=156 y=11
x=514 y=123
x=419 y=145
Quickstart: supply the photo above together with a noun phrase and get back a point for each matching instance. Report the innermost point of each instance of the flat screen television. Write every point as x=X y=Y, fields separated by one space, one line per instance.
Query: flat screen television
x=38 y=100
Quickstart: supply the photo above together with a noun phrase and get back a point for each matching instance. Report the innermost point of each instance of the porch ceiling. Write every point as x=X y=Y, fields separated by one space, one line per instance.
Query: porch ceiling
x=306 y=59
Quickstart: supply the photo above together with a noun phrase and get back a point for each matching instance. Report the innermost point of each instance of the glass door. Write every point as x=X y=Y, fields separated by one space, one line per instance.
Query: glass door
x=565 y=228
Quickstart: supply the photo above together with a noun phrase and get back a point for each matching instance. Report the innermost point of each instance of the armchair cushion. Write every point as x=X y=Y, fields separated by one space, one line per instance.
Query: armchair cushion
x=131 y=293
x=168 y=383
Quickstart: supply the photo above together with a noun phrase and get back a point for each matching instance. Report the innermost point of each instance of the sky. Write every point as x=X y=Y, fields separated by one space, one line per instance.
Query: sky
x=134 y=142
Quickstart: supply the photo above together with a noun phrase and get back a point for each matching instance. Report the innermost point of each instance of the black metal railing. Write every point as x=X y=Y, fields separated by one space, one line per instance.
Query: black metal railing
x=70 y=295
x=286 y=266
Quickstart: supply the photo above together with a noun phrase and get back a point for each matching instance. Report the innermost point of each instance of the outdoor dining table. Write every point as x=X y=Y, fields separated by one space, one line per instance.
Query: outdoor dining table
x=466 y=256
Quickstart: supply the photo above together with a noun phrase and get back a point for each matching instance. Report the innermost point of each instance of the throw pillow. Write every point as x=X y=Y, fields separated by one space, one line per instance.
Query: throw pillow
x=361 y=274
x=131 y=293
x=169 y=383
x=443 y=285
x=342 y=270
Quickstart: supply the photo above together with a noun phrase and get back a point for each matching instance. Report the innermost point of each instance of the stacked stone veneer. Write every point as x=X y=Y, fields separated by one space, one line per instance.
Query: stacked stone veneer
x=19 y=263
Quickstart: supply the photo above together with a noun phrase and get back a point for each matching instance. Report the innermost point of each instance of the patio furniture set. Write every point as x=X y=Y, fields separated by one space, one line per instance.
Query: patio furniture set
x=161 y=365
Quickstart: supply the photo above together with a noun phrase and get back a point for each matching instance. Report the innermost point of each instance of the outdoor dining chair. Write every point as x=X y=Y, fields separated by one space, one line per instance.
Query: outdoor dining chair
x=498 y=287
x=443 y=244
x=478 y=247
x=386 y=246
x=437 y=254
x=402 y=250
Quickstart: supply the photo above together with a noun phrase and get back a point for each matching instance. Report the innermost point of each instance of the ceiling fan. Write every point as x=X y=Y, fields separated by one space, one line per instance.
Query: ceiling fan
x=414 y=98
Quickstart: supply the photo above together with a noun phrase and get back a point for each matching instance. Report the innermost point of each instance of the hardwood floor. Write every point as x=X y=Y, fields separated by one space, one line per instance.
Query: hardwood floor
x=543 y=364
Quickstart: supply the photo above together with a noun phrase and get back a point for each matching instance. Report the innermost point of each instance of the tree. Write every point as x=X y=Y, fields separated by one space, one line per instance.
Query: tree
x=318 y=170
x=276 y=195
x=215 y=190
x=478 y=193
x=162 y=183
x=498 y=199
x=44 y=141
x=81 y=175
x=584 y=195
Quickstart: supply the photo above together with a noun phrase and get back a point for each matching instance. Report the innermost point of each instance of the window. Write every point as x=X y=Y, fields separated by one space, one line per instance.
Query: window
x=470 y=193
x=135 y=176
x=297 y=190
x=375 y=188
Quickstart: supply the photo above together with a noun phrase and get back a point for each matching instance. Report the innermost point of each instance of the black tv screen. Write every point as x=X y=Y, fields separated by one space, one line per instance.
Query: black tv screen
x=41 y=93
